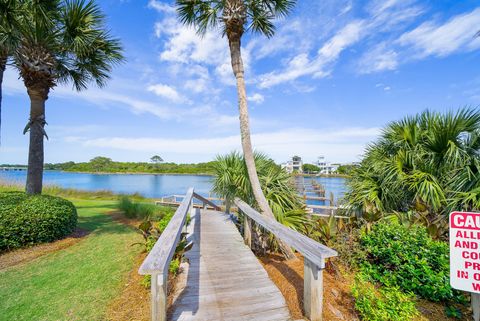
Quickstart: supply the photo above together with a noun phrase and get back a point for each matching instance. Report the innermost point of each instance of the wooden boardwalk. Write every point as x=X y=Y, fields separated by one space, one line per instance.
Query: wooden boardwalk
x=225 y=281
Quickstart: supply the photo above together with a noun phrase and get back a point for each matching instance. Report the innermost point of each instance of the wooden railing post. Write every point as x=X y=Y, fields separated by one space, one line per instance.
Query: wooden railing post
x=159 y=297
x=313 y=290
x=247 y=231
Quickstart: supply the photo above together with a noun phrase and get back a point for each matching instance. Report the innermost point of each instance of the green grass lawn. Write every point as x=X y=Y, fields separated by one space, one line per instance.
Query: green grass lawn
x=75 y=283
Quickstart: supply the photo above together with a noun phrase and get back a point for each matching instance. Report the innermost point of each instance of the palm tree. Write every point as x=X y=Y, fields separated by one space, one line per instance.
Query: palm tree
x=231 y=181
x=61 y=42
x=10 y=17
x=235 y=17
x=428 y=164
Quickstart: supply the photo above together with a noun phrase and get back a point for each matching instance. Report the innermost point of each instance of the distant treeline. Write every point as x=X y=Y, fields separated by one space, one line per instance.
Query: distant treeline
x=13 y=165
x=106 y=165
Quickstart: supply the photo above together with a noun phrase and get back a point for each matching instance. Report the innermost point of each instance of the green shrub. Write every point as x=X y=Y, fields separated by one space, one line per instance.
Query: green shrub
x=174 y=266
x=407 y=257
x=383 y=304
x=142 y=210
x=28 y=220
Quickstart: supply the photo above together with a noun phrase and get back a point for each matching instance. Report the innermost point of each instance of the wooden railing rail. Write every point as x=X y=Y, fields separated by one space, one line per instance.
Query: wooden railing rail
x=206 y=201
x=313 y=252
x=158 y=260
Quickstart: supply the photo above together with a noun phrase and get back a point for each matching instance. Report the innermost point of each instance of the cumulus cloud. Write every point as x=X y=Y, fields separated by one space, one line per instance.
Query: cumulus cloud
x=167 y=92
x=256 y=98
x=379 y=58
x=161 y=7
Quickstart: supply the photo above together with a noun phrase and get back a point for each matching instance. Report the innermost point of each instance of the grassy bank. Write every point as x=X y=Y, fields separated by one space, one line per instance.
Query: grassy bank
x=70 y=193
x=75 y=283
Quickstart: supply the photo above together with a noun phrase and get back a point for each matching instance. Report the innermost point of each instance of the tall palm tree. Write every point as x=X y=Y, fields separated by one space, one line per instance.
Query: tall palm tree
x=234 y=17
x=61 y=42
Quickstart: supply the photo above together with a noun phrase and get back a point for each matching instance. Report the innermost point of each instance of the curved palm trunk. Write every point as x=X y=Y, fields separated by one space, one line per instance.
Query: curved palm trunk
x=3 y=64
x=238 y=70
x=35 y=150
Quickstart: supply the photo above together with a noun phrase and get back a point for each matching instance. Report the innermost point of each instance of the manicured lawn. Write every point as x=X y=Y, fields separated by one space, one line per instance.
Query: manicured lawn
x=75 y=283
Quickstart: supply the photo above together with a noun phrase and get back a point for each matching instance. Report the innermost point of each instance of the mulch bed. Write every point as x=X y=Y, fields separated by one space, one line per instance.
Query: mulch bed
x=288 y=276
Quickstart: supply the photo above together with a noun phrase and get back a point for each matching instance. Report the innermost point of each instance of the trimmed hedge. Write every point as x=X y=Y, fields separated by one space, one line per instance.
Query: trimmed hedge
x=28 y=220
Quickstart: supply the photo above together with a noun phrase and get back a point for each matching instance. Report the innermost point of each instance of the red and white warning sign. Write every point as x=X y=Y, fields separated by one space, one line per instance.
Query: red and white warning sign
x=465 y=251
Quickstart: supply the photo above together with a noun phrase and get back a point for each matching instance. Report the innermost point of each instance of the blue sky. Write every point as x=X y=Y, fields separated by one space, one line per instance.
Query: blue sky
x=333 y=75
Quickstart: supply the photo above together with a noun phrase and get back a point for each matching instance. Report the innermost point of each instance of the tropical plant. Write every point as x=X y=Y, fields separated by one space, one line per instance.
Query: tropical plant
x=234 y=17
x=428 y=163
x=60 y=42
x=232 y=180
x=326 y=230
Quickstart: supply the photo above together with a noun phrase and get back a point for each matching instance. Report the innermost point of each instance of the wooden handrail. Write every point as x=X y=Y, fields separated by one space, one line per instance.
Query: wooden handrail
x=206 y=201
x=313 y=252
x=158 y=260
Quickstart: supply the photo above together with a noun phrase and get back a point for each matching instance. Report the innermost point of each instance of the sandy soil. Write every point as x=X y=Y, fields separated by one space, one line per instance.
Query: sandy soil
x=288 y=276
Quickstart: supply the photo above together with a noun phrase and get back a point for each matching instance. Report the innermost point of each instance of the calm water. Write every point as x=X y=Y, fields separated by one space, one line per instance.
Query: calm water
x=147 y=185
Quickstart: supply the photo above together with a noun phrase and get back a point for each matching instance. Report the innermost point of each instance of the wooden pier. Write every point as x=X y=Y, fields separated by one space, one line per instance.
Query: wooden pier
x=176 y=200
x=9 y=168
x=225 y=281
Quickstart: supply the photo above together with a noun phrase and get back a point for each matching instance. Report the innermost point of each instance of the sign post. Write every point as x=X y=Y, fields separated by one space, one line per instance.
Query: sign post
x=465 y=256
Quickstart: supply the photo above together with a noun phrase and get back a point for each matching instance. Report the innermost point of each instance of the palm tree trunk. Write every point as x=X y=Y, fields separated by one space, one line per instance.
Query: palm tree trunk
x=35 y=150
x=3 y=64
x=238 y=70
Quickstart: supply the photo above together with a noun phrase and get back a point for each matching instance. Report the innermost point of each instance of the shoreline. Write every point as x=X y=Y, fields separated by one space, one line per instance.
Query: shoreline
x=325 y=175
x=129 y=173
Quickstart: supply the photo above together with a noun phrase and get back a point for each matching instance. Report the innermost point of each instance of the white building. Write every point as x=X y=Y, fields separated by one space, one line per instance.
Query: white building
x=294 y=165
x=325 y=167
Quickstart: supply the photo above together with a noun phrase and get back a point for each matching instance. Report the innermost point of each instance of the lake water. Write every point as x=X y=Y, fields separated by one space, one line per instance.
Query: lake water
x=148 y=185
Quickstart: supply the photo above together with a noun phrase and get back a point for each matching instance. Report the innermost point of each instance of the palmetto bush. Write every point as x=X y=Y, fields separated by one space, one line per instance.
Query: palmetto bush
x=428 y=164
x=231 y=180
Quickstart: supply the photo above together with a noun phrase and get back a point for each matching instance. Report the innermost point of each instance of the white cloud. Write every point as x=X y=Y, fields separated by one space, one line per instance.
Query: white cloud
x=338 y=144
x=383 y=86
x=457 y=34
x=183 y=44
x=379 y=58
x=160 y=6
x=197 y=85
x=301 y=65
x=167 y=92
x=256 y=98
x=347 y=36
x=384 y=16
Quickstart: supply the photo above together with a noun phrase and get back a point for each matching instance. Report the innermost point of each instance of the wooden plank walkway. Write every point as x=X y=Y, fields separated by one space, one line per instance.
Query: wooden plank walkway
x=225 y=281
